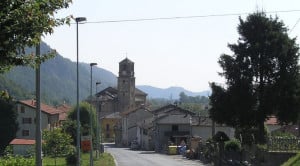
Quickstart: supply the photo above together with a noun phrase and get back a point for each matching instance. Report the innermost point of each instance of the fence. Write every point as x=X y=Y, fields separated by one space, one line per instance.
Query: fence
x=281 y=144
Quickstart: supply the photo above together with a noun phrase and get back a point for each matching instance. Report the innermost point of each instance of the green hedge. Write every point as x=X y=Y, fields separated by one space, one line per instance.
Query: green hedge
x=16 y=161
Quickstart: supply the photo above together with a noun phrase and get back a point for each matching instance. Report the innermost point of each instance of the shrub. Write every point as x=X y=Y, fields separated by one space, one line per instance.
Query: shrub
x=233 y=145
x=283 y=134
x=16 y=161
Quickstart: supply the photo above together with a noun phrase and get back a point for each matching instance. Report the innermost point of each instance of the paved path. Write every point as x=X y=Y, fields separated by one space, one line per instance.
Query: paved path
x=127 y=157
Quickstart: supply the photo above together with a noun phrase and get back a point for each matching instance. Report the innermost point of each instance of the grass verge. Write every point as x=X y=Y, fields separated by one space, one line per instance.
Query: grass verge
x=105 y=159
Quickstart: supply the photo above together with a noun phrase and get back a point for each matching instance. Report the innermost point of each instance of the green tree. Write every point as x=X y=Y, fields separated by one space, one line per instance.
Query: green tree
x=57 y=143
x=70 y=126
x=22 y=24
x=8 y=120
x=262 y=76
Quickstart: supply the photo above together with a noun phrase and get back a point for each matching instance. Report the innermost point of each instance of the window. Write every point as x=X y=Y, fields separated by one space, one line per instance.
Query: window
x=26 y=121
x=174 y=127
x=22 y=109
x=25 y=132
x=107 y=127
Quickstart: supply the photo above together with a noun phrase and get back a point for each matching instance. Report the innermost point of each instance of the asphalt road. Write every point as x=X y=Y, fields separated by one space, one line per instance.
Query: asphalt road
x=127 y=157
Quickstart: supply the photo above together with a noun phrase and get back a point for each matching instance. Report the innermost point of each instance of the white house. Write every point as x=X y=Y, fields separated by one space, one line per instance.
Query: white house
x=27 y=121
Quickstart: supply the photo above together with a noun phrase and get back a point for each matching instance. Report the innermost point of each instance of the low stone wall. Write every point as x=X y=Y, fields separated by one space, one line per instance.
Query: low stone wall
x=276 y=158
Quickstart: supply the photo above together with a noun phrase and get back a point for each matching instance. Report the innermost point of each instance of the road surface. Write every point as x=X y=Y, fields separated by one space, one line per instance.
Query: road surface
x=127 y=157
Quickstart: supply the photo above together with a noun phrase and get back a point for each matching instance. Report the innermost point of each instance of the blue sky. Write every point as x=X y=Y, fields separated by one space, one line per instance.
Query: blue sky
x=173 y=52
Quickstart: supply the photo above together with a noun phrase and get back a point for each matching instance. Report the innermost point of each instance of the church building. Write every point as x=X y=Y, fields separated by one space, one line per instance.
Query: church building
x=112 y=102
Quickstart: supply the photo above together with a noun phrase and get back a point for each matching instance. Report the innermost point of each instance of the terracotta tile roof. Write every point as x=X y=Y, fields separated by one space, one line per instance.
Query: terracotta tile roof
x=45 y=108
x=64 y=108
x=272 y=120
x=22 y=142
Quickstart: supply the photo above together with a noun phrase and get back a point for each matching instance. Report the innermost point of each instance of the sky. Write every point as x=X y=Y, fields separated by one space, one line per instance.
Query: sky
x=181 y=51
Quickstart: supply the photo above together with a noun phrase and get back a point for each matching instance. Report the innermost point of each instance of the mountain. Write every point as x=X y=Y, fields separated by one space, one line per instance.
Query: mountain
x=58 y=80
x=169 y=93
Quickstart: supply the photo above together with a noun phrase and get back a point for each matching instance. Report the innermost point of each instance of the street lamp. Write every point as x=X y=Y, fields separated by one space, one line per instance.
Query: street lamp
x=78 y=19
x=91 y=116
x=97 y=123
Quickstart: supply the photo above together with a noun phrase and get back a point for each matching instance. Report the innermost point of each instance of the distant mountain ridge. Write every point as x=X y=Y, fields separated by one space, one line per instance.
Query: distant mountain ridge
x=58 y=81
x=169 y=93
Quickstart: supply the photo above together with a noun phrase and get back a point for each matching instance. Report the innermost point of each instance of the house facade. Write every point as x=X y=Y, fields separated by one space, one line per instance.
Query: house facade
x=171 y=125
x=130 y=120
x=27 y=121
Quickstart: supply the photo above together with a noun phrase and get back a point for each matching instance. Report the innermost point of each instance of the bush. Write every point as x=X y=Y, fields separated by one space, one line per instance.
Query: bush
x=16 y=161
x=283 y=134
x=233 y=145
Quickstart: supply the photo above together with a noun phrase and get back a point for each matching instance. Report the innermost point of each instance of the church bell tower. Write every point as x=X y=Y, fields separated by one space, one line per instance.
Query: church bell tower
x=126 y=85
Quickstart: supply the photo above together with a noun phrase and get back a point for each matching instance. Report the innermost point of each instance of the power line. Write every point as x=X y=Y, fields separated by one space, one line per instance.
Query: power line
x=294 y=25
x=184 y=17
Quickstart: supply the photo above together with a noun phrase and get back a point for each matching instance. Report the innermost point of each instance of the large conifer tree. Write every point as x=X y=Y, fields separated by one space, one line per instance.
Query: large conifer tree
x=261 y=76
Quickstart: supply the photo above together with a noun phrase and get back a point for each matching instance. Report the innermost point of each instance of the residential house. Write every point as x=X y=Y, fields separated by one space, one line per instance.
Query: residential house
x=145 y=133
x=108 y=126
x=172 y=125
x=272 y=124
x=63 y=114
x=27 y=118
x=130 y=121
x=204 y=127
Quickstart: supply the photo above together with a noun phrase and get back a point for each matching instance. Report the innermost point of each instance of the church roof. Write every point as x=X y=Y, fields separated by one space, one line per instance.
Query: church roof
x=126 y=60
x=140 y=92
x=109 y=92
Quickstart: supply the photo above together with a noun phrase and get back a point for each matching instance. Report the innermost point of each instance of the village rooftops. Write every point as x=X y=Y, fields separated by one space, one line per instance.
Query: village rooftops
x=172 y=108
x=45 y=108
x=22 y=142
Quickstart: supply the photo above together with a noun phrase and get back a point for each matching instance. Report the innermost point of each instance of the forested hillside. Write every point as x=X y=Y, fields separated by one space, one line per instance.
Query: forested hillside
x=58 y=80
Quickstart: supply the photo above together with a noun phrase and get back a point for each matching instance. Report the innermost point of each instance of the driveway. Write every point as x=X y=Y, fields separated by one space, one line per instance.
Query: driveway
x=127 y=157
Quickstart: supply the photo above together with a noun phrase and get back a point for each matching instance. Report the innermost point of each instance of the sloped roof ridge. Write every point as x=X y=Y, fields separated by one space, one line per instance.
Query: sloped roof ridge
x=44 y=107
x=126 y=60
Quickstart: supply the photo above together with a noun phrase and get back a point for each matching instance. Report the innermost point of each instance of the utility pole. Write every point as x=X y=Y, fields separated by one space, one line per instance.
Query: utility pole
x=38 y=132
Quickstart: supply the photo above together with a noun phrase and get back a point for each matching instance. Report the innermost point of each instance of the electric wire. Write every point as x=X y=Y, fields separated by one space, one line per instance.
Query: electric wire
x=185 y=17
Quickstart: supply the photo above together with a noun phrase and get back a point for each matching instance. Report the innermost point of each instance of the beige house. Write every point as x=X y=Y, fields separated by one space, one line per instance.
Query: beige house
x=27 y=118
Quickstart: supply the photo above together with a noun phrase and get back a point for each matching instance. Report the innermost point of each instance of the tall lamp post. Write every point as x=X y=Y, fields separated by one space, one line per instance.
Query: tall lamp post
x=91 y=116
x=97 y=124
x=38 y=137
x=78 y=19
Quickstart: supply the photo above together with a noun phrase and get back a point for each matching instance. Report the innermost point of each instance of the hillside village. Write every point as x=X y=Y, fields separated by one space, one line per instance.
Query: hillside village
x=249 y=117
x=125 y=118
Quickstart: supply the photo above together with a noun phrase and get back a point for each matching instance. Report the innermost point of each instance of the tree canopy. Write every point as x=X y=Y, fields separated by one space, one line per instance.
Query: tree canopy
x=22 y=24
x=8 y=120
x=57 y=143
x=261 y=76
x=70 y=125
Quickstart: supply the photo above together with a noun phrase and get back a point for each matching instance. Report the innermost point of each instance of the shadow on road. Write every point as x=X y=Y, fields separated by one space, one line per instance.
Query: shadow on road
x=147 y=152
